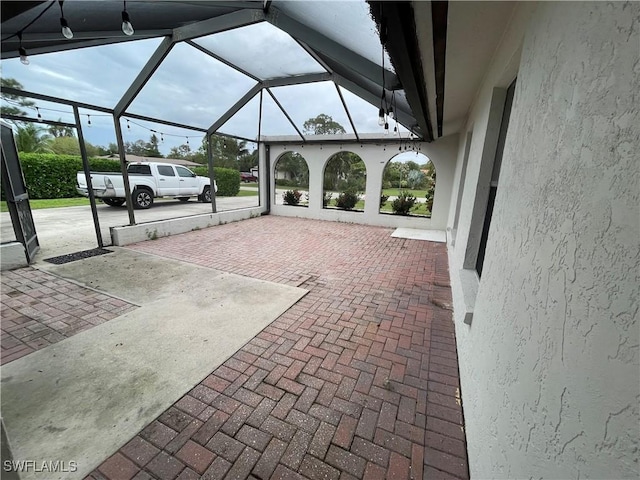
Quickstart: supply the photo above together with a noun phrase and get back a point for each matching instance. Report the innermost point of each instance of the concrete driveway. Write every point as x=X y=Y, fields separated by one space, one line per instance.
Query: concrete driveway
x=70 y=229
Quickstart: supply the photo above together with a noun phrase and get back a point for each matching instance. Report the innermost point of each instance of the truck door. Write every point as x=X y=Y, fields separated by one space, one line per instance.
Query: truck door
x=188 y=181
x=168 y=181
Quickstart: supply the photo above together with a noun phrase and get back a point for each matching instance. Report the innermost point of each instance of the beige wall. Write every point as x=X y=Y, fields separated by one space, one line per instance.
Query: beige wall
x=549 y=366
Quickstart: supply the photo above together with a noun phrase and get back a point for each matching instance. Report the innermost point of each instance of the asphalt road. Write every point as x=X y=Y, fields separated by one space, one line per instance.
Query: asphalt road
x=70 y=229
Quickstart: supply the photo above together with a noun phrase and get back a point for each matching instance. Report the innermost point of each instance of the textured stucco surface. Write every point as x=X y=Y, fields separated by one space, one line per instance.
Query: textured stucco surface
x=549 y=368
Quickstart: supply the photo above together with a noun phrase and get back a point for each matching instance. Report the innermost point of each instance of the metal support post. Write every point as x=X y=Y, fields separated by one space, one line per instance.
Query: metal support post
x=267 y=175
x=260 y=181
x=123 y=169
x=212 y=177
x=87 y=175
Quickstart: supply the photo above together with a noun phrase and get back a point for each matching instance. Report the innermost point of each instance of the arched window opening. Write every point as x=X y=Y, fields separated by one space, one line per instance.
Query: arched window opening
x=292 y=180
x=408 y=185
x=345 y=180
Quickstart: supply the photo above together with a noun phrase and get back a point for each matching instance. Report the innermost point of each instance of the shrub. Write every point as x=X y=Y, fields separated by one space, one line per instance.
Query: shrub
x=291 y=197
x=347 y=200
x=326 y=198
x=54 y=176
x=284 y=182
x=104 y=165
x=383 y=200
x=403 y=204
x=227 y=179
x=201 y=171
x=429 y=202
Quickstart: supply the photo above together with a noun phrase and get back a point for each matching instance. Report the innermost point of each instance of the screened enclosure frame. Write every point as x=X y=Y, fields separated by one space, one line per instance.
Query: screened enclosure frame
x=340 y=64
x=187 y=23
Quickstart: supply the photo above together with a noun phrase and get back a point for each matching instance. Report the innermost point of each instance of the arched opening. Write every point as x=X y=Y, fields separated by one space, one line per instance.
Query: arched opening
x=345 y=180
x=292 y=180
x=408 y=185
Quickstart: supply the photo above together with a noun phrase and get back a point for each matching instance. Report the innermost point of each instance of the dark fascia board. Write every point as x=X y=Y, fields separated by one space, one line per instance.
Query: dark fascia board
x=439 y=15
x=402 y=46
x=13 y=9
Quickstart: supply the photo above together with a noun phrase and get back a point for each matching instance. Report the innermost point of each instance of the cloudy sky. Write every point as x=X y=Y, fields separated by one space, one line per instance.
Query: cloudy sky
x=190 y=87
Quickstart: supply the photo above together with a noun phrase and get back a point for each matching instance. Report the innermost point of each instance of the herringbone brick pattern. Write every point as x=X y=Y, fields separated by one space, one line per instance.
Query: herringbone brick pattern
x=39 y=309
x=359 y=379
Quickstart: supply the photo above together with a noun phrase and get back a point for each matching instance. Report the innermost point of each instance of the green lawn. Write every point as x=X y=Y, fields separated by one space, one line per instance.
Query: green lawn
x=51 y=203
x=394 y=192
x=420 y=209
x=247 y=193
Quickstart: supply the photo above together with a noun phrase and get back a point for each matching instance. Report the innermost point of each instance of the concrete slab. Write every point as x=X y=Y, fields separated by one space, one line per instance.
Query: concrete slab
x=417 y=234
x=81 y=399
x=70 y=229
x=12 y=256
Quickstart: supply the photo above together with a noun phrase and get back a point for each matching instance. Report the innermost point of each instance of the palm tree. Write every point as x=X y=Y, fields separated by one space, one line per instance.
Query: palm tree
x=30 y=139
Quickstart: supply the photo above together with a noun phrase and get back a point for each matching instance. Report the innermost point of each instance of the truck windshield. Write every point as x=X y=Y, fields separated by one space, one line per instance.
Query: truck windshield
x=139 y=169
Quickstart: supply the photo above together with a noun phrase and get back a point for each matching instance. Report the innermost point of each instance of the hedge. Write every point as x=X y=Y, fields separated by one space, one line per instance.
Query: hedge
x=227 y=179
x=54 y=176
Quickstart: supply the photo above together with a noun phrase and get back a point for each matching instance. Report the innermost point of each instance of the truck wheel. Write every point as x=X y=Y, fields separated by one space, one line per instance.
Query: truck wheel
x=206 y=195
x=142 y=198
x=114 y=202
x=183 y=199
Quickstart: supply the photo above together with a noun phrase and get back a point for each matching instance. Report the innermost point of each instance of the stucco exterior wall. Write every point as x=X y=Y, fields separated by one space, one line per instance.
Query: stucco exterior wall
x=441 y=152
x=549 y=368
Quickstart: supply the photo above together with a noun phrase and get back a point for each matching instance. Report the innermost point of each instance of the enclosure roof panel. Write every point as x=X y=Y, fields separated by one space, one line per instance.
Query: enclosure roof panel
x=262 y=50
x=264 y=46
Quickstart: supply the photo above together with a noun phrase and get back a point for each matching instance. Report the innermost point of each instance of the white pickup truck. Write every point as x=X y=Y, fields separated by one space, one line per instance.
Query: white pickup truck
x=148 y=180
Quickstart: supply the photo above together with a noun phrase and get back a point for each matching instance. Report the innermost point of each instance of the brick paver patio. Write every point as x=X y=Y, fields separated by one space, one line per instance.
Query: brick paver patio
x=359 y=379
x=39 y=309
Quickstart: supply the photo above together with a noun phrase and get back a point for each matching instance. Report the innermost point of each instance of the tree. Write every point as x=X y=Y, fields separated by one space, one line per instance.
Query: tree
x=31 y=139
x=295 y=166
x=71 y=146
x=152 y=147
x=111 y=149
x=57 y=131
x=415 y=178
x=345 y=171
x=138 y=147
x=182 y=151
x=16 y=103
x=227 y=152
x=248 y=161
x=322 y=125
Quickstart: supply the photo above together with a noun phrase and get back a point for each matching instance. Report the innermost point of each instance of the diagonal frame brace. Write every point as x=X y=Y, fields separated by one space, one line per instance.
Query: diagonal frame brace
x=143 y=77
x=234 y=108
